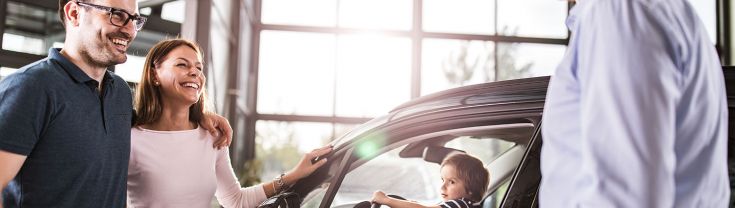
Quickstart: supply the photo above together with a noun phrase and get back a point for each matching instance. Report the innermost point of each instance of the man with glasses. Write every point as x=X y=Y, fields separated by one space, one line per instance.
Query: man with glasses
x=65 y=120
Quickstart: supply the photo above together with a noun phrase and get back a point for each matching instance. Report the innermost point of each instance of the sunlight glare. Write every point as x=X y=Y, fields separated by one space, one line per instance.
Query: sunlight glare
x=371 y=146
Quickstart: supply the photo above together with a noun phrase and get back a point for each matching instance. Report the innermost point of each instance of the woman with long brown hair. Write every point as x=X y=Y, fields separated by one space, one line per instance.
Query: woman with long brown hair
x=171 y=161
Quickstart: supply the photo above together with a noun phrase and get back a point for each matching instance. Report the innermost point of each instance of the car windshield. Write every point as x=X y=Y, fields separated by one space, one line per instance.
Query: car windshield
x=372 y=124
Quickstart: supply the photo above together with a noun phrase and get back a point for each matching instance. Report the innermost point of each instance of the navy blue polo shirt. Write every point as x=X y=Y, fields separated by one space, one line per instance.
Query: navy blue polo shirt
x=77 y=141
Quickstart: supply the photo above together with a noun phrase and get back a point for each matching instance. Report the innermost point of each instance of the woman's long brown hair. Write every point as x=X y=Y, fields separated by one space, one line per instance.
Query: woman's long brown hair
x=148 y=104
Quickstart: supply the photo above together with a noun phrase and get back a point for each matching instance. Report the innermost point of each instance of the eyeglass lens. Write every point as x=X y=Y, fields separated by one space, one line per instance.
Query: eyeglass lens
x=120 y=18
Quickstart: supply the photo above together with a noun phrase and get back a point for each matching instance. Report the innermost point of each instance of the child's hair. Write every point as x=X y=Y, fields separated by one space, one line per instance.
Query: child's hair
x=472 y=173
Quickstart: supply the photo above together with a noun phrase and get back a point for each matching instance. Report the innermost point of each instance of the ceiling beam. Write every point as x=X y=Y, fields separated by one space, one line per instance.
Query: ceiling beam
x=54 y=5
x=157 y=24
x=153 y=3
x=46 y=4
x=16 y=60
x=3 y=15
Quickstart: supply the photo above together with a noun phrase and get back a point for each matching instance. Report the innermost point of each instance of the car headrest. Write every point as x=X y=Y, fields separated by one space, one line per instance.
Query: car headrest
x=436 y=154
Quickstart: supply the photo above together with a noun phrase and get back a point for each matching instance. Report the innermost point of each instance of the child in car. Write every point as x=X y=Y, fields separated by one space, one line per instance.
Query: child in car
x=464 y=181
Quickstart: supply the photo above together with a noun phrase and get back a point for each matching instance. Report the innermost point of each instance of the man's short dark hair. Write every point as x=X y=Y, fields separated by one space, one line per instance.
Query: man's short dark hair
x=61 y=11
x=62 y=3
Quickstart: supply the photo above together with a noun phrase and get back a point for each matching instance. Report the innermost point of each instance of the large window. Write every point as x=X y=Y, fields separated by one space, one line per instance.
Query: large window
x=706 y=11
x=281 y=144
x=300 y=79
x=460 y=17
x=4 y=72
x=327 y=63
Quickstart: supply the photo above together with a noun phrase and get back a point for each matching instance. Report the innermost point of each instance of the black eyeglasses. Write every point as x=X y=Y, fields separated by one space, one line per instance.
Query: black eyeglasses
x=118 y=17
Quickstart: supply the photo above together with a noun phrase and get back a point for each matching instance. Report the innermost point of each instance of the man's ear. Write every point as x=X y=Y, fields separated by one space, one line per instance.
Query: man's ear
x=71 y=13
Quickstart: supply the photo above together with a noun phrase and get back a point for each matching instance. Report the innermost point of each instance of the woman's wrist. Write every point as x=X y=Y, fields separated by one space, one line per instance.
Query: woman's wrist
x=290 y=178
x=282 y=182
x=384 y=200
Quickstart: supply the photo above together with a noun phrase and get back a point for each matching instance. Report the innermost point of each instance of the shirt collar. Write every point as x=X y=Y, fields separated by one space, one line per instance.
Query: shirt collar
x=574 y=13
x=72 y=69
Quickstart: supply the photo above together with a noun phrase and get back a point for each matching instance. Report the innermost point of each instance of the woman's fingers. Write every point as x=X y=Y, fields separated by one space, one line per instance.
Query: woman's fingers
x=319 y=164
x=308 y=165
x=321 y=151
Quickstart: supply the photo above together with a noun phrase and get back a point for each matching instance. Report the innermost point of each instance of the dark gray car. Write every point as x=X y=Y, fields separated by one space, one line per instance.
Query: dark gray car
x=399 y=153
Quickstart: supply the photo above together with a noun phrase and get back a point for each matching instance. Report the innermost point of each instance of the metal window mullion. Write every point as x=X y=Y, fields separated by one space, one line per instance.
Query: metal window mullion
x=723 y=32
x=232 y=86
x=417 y=43
x=3 y=14
x=196 y=27
x=495 y=43
x=252 y=84
x=335 y=73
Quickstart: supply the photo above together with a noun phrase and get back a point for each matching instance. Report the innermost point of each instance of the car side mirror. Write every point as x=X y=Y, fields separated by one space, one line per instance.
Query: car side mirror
x=436 y=154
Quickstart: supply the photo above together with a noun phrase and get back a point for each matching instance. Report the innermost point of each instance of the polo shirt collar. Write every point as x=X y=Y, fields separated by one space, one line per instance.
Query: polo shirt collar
x=72 y=69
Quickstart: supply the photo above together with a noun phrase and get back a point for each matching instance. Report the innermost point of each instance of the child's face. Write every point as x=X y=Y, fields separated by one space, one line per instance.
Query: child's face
x=452 y=187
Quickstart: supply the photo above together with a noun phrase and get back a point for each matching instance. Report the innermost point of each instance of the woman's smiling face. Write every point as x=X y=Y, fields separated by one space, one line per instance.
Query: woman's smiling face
x=180 y=75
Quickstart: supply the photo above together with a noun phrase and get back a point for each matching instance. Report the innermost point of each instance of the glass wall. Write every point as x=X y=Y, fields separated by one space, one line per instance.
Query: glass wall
x=325 y=63
x=706 y=9
x=5 y=71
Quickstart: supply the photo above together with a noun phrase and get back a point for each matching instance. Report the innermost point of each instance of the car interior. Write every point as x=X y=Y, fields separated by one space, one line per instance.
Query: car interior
x=434 y=147
x=436 y=154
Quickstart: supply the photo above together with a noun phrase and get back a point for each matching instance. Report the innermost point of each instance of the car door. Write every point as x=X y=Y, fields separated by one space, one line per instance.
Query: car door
x=729 y=73
x=525 y=182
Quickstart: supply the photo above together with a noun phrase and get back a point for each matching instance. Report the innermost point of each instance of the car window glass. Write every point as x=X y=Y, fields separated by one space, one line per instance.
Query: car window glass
x=487 y=150
x=484 y=148
x=314 y=198
x=493 y=200
x=411 y=178
x=414 y=178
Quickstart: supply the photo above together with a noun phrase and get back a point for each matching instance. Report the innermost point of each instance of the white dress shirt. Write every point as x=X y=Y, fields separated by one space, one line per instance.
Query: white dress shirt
x=636 y=113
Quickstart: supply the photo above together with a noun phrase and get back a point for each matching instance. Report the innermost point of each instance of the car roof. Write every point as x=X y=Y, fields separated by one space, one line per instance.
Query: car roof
x=504 y=94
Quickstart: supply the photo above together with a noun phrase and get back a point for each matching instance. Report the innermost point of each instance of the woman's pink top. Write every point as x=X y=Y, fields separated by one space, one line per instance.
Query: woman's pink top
x=181 y=169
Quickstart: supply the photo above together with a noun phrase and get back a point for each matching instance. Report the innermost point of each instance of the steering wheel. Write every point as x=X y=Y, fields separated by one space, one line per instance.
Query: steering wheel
x=368 y=204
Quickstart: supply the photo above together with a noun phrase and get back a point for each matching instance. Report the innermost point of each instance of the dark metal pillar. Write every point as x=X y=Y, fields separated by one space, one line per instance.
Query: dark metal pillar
x=233 y=73
x=724 y=33
x=252 y=83
x=3 y=14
